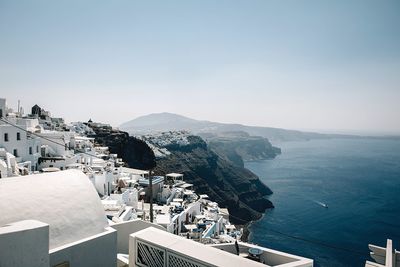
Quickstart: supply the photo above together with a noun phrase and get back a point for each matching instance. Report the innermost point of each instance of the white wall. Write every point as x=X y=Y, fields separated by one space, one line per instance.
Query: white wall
x=8 y=164
x=21 y=145
x=193 y=209
x=97 y=250
x=3 y=169
x=100 y=183
x=270 y=257
x=24 y=243
x=3 y=107
x=65 y=200
x=124 y=229
x=59 y=137
x=52 y=163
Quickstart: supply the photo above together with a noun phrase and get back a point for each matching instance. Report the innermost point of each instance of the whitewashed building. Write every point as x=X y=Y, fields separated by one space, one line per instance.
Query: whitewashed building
x=16 y=139
x=56 y=219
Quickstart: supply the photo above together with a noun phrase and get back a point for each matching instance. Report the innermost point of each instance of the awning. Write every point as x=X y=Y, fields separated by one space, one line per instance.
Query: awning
x=163 y=219
x=186 y=185
x=51 y=169
x=190 y=226
x=174 y=175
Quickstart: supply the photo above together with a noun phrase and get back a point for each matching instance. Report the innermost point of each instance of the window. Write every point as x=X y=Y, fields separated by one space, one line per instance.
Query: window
x=30 y=150
x=18 y=136
x=15 y=153
x=6 y=137
x=37 y=149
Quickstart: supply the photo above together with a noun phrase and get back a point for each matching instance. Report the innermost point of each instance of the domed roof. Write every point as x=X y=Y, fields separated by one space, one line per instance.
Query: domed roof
x=65 y=200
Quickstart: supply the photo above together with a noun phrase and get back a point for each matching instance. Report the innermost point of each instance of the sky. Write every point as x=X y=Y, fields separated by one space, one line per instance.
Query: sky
x=310 y=65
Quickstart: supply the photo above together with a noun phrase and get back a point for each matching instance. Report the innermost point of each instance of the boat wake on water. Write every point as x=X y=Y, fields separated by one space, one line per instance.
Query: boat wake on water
x=321 y=204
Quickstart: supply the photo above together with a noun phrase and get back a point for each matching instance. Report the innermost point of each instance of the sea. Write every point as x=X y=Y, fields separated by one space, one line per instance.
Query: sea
x=359 y=182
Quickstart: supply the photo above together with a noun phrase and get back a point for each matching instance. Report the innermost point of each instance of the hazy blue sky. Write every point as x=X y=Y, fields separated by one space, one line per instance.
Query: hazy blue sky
x=293 y=64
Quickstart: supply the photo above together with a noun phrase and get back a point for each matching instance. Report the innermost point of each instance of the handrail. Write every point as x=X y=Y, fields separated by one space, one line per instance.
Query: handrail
x=389 y=253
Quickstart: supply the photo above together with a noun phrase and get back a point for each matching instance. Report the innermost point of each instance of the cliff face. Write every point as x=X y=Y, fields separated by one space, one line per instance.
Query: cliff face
x=135 y=153
x=238 y=147
x=231 y=186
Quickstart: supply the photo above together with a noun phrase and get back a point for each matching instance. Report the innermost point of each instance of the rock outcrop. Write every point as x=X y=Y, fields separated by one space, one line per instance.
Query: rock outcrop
x=231 y=186
x=135 y=152
x=238 y=147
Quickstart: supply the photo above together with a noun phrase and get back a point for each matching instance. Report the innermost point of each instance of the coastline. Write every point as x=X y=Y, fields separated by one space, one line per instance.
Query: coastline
x=246 y=228
x=246 y=231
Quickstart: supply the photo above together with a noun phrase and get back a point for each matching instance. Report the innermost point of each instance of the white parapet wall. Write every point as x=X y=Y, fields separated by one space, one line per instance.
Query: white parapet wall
x=269 y=257
x=156 y=248
x=124 y=229
x=97 y=250
x=24 y=243
x=384 y=256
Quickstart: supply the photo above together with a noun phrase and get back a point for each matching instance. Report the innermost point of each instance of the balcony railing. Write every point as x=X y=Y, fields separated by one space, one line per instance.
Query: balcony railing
x=149 y=255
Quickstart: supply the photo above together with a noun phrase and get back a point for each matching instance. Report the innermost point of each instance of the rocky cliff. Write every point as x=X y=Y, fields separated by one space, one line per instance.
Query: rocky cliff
x=135 y=152
x=231 y=186
x=238 y=147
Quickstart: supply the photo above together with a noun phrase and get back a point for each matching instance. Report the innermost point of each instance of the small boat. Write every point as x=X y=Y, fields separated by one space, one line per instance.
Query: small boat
x=322 y=204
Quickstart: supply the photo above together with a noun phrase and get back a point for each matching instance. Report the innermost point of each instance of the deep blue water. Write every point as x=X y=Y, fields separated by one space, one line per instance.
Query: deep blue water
x=358 y=179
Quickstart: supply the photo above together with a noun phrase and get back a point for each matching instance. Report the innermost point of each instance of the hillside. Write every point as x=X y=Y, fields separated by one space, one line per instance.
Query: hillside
x=160 y=122
x=231 y=186
x=134 y=152
x=238 y=147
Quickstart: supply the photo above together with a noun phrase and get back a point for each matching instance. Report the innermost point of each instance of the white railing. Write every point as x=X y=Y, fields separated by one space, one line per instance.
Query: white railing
x=150 y=255
x=389 y=253
x=384 y=256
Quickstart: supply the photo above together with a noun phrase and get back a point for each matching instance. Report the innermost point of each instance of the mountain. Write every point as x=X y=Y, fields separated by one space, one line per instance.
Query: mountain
x=159 y=122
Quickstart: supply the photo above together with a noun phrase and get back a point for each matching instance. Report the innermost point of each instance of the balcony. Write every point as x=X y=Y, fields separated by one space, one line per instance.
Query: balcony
x=155 y=248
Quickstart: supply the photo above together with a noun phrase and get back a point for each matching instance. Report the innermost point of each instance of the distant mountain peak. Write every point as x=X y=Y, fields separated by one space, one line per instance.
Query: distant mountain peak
x=165 y=121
